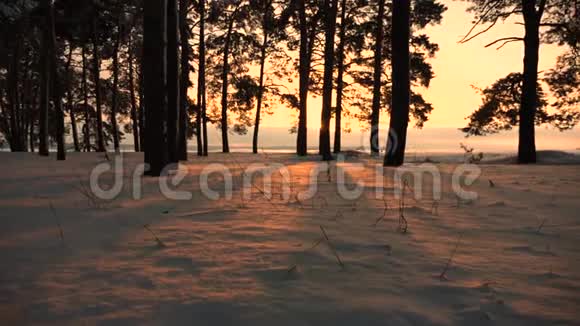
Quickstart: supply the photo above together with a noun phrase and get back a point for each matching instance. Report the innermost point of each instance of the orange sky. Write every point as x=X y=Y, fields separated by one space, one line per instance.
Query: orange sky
x=456 y=66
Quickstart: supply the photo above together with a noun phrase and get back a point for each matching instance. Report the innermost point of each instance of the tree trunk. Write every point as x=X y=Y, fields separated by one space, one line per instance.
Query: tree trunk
x=87 y=126
x=201 y=80
x=44 y=85
x=70 y=104
x=14 y=135
x=401 y=32
x=339 y=81
x=263 y=54
x=154 y=75
x=31 y=119
x=56 y=88
x=378 y=71
x=172 y=80
x=97 y=76
x=529 y=100
x=115 y=90
x=304 y=76
x=142 y=108
x=330 y=25
x=225 y=75
x=184 y=84
x=134 y=119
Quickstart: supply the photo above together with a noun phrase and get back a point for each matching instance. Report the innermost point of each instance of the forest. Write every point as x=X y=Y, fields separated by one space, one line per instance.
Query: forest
x=141 y=181
x=85 y=75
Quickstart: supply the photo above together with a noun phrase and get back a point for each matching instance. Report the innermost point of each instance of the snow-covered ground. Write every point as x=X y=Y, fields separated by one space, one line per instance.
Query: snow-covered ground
x=509 y=257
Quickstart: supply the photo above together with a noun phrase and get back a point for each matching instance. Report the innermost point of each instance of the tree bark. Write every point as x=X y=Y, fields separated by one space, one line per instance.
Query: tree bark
x=44 y=85
x=97 y=77
x=142 y=108
x=529 y=100
x=401 y=88
x=87 y=126
x=134 y=118
x=201 y=79
x=339 y=81
x=115 y=90
x=184 y=84
x=31 y=119
x=304 y=76
x=154 y=75
x=15 y=133
x=263 y=54
x=56 y=88
x=70 y=104
x=330 y=25
x=225 y=75
x=172 y=80
x=378 y=71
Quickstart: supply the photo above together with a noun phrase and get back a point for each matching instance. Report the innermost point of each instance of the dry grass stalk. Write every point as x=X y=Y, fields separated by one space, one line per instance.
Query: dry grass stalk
x=58 y=224
x=539 y=229
x=403 y=224
x=385 y=210
x=316 y=244
x=443 y=276
x=331 y=246
x=260 y=190
x=92 y=200
x=160 y=243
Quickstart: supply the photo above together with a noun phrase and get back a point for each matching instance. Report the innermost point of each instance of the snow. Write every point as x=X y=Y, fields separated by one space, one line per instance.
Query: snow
x=512 y=254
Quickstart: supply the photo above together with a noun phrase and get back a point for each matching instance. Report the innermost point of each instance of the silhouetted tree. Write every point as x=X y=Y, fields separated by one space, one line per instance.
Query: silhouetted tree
x=378 y=71
x=401 y=84
x=172 y=79
x=184 y=84
x=340 y=77
x=154 y=75
x=330 y=29
x=559 y=18
x=201 y=117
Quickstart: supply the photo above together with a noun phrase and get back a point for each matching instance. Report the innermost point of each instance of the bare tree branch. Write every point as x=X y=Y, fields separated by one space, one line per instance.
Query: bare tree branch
x=478 y=22
x=506 y=39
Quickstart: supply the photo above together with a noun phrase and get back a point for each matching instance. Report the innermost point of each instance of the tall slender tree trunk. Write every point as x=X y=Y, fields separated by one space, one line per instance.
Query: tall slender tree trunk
x=134 y=118
x=87 y=126
x=529 y=100
x=14 y=100
x=97 y=77
x=263 y=54
x=56 y=88
x=44 y=85
x=31 y=119
x=184 y=84
x=142 y=108
x=330 y=25
x=172 y=80
x=339 y=80
x=378 y=71
x=202 y=120
x=154 y=75
x=401 y=32
x=69 y=102
x=225 y=75
x=304 y=76
x=115 y=90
